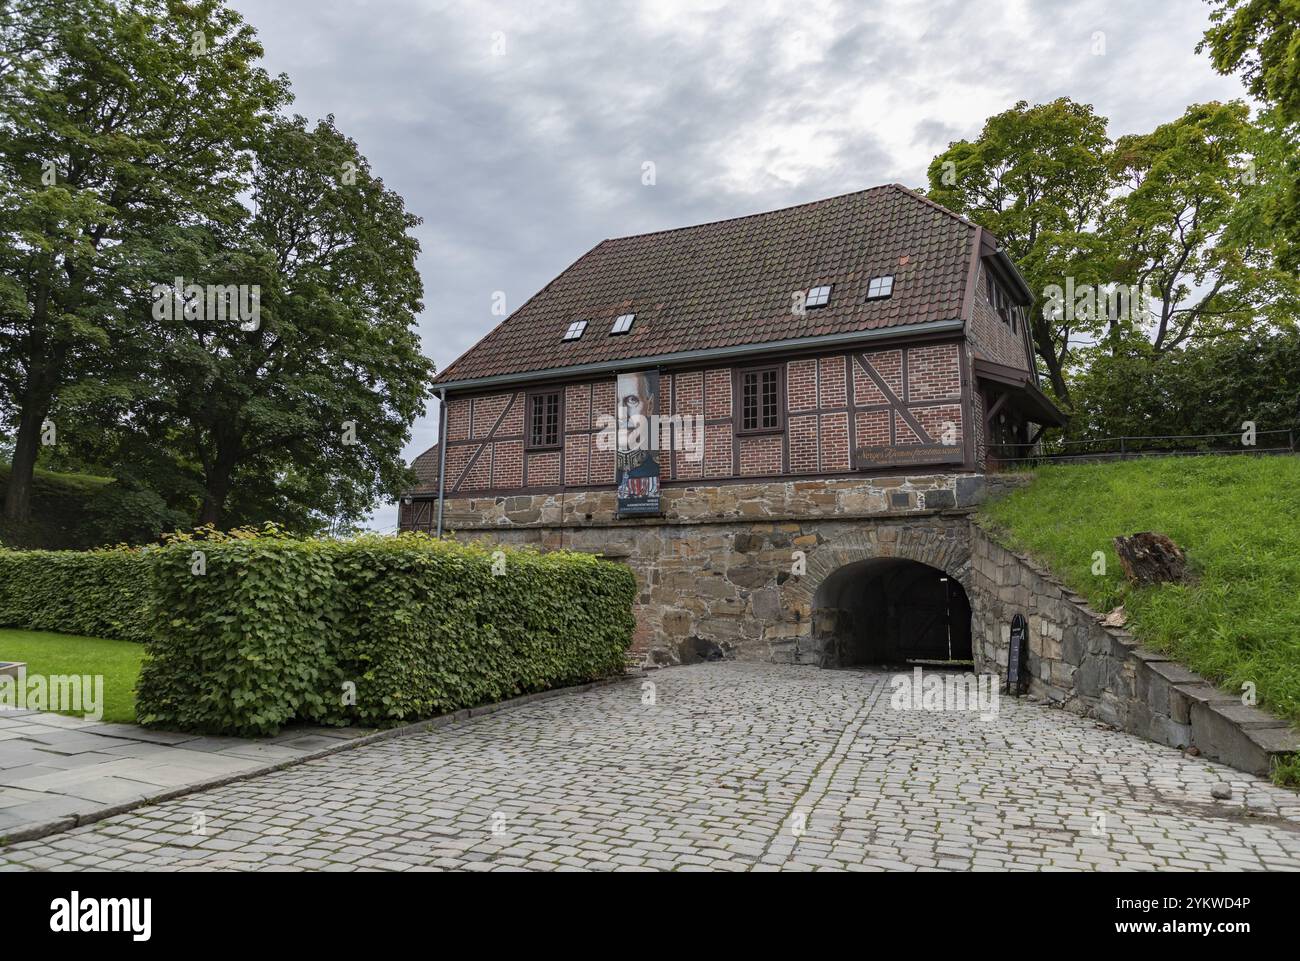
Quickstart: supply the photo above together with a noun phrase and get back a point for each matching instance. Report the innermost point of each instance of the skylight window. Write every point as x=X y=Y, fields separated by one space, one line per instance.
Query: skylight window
x=817 y=297
x=575 y=330
x=879 y=288
x=622 y=323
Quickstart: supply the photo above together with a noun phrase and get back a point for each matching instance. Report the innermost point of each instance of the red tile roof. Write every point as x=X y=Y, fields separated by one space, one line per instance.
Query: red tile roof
x=426 y=472
x=730 y=283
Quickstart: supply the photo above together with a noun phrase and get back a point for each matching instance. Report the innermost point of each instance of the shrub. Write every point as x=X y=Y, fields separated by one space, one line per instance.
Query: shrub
x=125 y=512
x=279 y=629
x=243 y=647
x=97 y=593
x=427 y=626
x=1206 y=387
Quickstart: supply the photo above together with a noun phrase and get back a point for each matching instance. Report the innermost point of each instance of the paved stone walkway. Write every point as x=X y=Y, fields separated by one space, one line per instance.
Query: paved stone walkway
x=55 y=767
x=734 y=767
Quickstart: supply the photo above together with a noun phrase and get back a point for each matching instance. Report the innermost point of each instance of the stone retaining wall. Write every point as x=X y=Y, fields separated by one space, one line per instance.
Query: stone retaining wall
x=1088 y=668
x=825 y=498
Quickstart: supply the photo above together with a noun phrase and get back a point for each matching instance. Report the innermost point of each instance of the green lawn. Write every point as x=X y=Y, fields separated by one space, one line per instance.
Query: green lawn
x=48 y=653
x=1237 y=517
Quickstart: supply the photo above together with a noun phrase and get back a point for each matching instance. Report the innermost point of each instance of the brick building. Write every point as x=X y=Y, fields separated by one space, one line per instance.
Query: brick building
x=780 y=421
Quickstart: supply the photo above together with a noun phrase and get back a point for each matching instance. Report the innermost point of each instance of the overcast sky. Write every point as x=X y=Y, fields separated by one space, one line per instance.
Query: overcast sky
x=520 y=130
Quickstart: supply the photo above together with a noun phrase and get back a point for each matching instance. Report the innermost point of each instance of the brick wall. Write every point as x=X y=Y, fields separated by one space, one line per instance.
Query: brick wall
x=761 y=456
x=992 y=338
x=833 y=404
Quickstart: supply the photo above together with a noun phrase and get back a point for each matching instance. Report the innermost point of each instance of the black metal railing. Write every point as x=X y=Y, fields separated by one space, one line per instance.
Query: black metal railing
x=1281 y=441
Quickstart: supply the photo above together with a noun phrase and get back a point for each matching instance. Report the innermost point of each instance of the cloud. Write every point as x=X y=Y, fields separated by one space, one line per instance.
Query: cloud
x=518 y=131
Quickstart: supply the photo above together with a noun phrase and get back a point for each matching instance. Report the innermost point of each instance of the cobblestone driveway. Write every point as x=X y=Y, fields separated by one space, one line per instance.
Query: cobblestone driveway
x=718 y=774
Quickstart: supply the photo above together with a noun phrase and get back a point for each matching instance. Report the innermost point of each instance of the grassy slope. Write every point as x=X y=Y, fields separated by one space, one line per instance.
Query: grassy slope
x=46 y=482
x=57 y=501
x=1239 y=520
x=47 y=653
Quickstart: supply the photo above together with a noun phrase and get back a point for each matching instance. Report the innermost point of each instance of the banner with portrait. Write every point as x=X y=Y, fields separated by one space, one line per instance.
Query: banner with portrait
x=637 y=457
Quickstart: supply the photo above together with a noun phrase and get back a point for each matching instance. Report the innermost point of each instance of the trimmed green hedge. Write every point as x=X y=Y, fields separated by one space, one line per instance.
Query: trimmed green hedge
x=96 y=593
x=376 y=630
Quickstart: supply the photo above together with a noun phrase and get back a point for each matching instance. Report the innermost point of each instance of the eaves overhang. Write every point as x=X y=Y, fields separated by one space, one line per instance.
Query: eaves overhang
x=1022 y=392
x=737 y=352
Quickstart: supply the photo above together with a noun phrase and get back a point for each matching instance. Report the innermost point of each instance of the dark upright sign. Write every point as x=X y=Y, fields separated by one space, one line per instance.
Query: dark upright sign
x=1018 y=658
x=637 y=463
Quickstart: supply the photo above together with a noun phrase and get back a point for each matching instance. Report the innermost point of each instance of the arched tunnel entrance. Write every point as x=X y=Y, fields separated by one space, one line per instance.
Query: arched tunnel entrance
x=890 y=611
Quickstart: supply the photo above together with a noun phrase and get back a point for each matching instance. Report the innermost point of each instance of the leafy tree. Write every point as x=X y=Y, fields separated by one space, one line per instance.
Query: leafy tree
x=1261 y=40
x=1168 y=231
x=300 y=415
x=1204 y=387
x=117 y=120
x=1168 y=211
x=1037 y=177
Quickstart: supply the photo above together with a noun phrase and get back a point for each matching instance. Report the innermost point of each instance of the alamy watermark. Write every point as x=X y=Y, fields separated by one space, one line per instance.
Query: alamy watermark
x=1086 y=302
x=920 y=691
x=210 y=302
x=64 y=693
x=75 y=914
x=684 y=434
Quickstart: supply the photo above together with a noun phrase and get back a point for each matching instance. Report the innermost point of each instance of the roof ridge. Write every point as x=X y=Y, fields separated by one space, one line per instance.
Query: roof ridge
x=935 y=204
x=761 y=213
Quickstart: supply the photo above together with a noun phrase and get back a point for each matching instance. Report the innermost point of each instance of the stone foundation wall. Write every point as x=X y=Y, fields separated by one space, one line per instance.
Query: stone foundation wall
x=732 y=570
x=1098 y=671
x=835 y=497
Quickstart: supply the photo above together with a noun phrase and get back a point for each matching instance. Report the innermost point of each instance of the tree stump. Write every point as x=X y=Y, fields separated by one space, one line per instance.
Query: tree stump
x=1150 y=558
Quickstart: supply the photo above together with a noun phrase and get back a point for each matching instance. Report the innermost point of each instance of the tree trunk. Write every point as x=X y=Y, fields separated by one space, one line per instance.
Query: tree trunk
x=217 y=488
x=18 y=498
x=210 y=513
x=214 y=504
x=1149 y=558
x=1041 y=335
x=1058 y=383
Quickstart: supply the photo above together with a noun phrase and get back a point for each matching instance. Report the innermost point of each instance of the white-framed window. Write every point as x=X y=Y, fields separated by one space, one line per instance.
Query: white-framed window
x=818 y=296
x=878 y=288
x=1002 y=303
x=575 y=330
x=622 y=323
